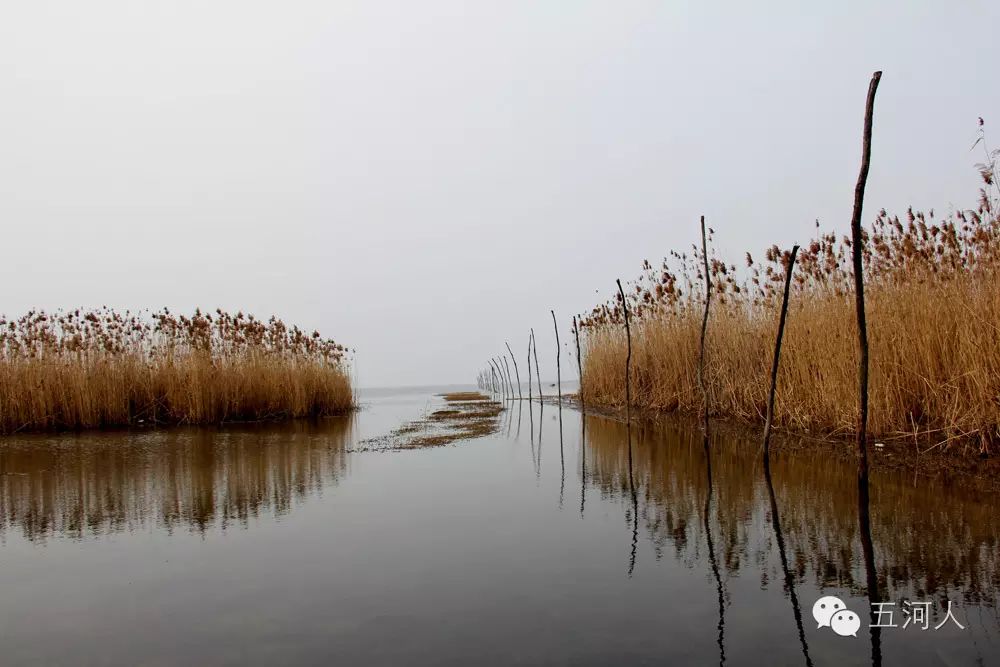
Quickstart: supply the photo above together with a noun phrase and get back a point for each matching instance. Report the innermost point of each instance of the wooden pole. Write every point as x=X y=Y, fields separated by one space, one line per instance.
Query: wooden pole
x=704 y=330
x=529 y=370
x=509 y=382
x=628 y=359
x=502 y=388
x=503 y=378
x=579 y=362
x=864 y=519
x=859 y=280
x=777 y=352
x=516 y=372
x=538 y=373
x=558 y=354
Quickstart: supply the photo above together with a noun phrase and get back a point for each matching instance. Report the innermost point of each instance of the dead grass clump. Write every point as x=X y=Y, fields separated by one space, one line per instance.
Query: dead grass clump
x=465 y=396
x=933 y=310
x=100 y=368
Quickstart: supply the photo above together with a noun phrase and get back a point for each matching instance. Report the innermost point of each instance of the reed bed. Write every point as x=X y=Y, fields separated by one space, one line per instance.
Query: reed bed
x=933 y=322
x=101 y=368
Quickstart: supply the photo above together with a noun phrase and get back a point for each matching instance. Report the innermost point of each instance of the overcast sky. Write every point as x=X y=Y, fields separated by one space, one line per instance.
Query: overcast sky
x=421 y=180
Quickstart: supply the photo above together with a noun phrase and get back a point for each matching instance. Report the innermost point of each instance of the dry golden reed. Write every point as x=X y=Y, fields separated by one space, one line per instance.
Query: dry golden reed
x=100 y=368
x=933 y=318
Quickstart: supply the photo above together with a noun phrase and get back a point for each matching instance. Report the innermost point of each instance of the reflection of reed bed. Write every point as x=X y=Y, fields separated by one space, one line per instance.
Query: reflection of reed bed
x=198 y=478
x=931 y=309
x=102 y=368
x=929 y=536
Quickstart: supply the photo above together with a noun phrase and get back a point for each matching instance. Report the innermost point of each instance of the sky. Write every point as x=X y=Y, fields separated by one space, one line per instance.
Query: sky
x=424 y=181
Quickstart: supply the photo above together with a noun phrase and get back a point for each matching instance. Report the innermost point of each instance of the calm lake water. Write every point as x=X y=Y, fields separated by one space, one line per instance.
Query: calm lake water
x=292 y=544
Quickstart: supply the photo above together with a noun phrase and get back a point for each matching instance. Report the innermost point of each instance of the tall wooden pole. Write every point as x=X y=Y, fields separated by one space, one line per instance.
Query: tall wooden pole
x=579 y=362
x=628 y=359
x=516 y=372
x=864 y=517
x=529 y=370
x=777 y=352
x=538 y=373
x=704 y=330
x=558 y=354
x=510 y=382
x=859 y=280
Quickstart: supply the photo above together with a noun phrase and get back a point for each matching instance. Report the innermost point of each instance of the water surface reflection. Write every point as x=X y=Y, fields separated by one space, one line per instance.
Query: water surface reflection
x=97 y=483
x=930 y=537
x=255 y=546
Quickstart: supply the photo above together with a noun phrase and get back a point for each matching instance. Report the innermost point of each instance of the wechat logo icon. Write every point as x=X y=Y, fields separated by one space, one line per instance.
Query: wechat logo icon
x=831 y=612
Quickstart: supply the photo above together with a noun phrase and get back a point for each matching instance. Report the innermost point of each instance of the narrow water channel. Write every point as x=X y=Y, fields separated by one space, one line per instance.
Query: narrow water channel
x=551 y=541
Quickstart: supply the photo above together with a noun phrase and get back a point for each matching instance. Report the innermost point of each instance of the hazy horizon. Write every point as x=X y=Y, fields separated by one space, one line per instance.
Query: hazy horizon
x=422 y=182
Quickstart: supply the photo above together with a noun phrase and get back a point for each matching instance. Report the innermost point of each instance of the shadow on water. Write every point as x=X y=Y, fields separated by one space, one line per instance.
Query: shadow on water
x=713 y=562
x=934 y=537
x=635 y=502
x=583 y=461
x=913 y=539
x=871 y=575
x=783 y=555
x=562 y=460
x=95 y=483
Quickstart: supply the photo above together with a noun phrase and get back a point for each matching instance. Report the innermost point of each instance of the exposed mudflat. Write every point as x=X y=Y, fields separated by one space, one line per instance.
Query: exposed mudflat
x=464 y=415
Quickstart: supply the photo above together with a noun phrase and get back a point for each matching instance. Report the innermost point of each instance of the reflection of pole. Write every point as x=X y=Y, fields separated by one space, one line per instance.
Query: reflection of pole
x=583 y=461
x=562 y=461
x=531 y=417
x=871 y=576
x=712 y=561
x=635 y=506
x=776 y=520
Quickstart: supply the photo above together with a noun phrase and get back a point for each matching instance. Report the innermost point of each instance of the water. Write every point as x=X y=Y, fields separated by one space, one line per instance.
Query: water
x=282 y=545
